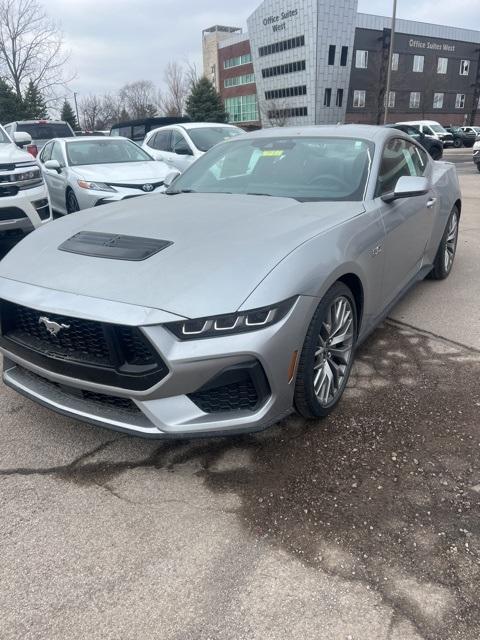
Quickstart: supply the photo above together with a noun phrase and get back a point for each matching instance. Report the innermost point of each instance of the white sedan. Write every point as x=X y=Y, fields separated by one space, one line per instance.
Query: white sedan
x=181 y=144
x=90 y=171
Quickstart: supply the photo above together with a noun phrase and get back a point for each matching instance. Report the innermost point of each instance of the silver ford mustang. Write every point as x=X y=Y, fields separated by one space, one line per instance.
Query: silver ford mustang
x=239 y=295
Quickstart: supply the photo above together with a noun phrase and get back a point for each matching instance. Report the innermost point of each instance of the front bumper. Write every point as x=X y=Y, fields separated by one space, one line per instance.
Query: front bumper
x=171 y=407
x=27 y=210
x=88 y=198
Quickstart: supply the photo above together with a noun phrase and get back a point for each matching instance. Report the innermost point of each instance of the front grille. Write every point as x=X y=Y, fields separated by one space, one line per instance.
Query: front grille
x=243 y=387
x=113 y=355
x=123 y=185
x=230 y=397
x=11 y=213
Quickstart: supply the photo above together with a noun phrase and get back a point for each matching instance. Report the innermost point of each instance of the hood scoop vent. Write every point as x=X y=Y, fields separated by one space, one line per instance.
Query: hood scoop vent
x=113 y=246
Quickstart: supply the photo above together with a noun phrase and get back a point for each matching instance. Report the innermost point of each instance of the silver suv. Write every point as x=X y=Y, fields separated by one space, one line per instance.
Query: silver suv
x=24 y=203
x=41 y=131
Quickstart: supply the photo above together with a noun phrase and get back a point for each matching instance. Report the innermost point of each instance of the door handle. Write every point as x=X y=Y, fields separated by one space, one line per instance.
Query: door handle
x=431 y=202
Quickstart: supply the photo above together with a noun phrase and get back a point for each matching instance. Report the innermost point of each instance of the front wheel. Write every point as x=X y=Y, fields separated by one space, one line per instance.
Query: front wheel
x=327 y=354
x=72 y=202
x=443 y=262
x=457 y=143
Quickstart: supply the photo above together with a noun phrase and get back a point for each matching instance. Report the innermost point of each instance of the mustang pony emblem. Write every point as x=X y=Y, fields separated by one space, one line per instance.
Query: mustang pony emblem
x=51 y=326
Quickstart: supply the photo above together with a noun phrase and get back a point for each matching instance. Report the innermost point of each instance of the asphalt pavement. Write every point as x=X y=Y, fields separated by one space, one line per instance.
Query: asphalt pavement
x=364 y=526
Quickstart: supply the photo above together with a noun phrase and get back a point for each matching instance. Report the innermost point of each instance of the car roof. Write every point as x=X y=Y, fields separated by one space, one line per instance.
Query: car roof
x=76 y=139
x=188 y=126
x=363 y=131
x=38 y=121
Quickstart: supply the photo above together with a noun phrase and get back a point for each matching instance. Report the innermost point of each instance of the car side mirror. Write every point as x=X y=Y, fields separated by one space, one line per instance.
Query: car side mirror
x=53 y=165
x=407 y=187
x=22 y=138
x=170 y=178
x=183 y=151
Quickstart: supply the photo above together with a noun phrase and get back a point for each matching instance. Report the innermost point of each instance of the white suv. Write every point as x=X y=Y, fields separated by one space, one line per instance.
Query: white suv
x=178 y=145
x=24 y=203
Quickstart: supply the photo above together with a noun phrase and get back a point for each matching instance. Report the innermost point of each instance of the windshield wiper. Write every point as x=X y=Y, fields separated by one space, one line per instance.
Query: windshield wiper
x=175 y=192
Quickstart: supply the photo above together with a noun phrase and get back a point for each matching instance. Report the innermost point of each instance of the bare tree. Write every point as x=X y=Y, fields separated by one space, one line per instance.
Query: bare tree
x=139 y=98
x=91 y=112
x=178 y=82
x=31 y=48
x=112 y=110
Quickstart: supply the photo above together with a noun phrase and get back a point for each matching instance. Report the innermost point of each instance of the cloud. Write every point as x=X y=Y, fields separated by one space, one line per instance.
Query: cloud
x=117 y=41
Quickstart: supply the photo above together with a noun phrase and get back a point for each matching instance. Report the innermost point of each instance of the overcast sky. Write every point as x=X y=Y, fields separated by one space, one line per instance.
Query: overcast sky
x=117 y=41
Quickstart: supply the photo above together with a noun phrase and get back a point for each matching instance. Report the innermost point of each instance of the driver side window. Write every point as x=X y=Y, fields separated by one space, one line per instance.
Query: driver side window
x=400 y=158
x=179 y=144
x=57 y=154
x=46 y=152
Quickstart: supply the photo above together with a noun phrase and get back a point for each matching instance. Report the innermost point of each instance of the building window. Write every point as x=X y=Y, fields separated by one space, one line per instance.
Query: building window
x=460 y=101
x=358 y=99
x=281 y=69
x=414 y=100
x=327 y=98
x=283 y=45
x=343 y=57
x=464 y=67
x=339 y=100
x=361 y=59
x=288 y=92
x=442 y=65
x=418 y=63
x=242 y=108
x=237 y=61
x=438 y=100
x=292 y=112
x=331 y=54
x=391 y=100
x=395 y=59
x=248 y=78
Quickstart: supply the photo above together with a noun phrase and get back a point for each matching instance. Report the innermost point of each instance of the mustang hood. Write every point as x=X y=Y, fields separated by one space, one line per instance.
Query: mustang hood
x=221 y=247
x=119 y=172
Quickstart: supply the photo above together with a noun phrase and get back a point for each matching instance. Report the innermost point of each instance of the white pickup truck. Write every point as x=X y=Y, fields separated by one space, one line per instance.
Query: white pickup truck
x=24 y=202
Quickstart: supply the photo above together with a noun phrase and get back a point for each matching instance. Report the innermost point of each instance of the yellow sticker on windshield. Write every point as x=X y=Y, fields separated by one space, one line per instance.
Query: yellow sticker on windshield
x=272 y=153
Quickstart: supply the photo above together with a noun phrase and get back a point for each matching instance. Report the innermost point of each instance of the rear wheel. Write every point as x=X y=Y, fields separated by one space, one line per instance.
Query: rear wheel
x=443 y=262
x=457 y=143
x=327 y=354
x=72 y=202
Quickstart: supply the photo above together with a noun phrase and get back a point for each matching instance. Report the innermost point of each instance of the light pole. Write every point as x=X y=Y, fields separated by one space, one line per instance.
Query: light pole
x=76 y=107
x=390 y=56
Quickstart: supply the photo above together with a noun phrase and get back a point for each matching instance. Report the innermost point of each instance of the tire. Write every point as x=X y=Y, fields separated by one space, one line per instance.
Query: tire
x=436 y=153
x=457 y=143
x=478 y=166
x=72 y=202
x=443 y=263
x=323 y=374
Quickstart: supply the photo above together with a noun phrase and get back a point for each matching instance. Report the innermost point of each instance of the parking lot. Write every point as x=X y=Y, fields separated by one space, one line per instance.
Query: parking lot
x=364 y=526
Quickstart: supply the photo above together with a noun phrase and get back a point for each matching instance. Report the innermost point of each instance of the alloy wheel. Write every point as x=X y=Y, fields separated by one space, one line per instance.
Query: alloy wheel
x=451 y=243
x=334 y=351
x=72 y=203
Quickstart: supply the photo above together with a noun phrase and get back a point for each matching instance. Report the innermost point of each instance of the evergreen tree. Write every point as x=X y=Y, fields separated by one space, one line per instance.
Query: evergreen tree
x=10 y=106
x=68 y=115
x=204 y=104
x=33 y=103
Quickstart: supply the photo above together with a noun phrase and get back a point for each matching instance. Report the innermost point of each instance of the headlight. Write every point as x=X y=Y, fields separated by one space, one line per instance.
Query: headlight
x=34 y=174
x=94 y=186
x=227 y=324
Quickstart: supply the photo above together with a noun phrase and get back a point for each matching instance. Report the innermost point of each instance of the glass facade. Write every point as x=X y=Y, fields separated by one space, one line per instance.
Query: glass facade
x=242 y=108
x=237 y=61
x=236 y=81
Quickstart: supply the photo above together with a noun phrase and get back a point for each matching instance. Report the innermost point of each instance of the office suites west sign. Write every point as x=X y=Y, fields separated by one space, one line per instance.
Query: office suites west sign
x=422 y=44
x=279 y=22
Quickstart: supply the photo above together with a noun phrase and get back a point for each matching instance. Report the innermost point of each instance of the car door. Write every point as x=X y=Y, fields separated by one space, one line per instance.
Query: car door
x=408 y=221
x=159 y=145
x=181 y=151
x=57 y=181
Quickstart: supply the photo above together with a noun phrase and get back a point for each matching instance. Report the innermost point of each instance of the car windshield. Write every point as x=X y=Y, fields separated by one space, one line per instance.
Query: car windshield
x=437 y=128
x=206 y=137
x=46 y=130
x=304 y=168
x=107 y=151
